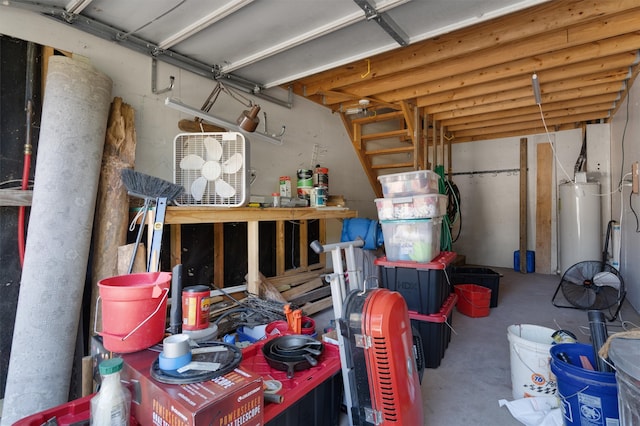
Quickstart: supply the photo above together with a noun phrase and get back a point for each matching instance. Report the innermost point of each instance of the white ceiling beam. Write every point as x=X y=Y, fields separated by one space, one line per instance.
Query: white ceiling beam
x=382 y=49
x=306 y=37
x=203 y=23
x=77 y=6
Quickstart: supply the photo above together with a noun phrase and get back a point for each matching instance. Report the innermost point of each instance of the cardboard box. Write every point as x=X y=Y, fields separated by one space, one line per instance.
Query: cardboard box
x=234 y=399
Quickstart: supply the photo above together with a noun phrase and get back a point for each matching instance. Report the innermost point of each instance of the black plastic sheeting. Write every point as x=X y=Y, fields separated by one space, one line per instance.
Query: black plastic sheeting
x=13 y=83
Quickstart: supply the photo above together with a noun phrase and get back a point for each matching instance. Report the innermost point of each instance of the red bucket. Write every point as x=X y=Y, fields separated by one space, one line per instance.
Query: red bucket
x=308 y=326
x=277 y=327
x=473 y=300
x=134 y=310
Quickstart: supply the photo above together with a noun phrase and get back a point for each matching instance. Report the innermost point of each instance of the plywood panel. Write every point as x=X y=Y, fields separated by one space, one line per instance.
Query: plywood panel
x=544 y=199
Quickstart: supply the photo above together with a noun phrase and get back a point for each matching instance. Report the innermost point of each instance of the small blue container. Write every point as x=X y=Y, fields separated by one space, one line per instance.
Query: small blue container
x=531 y=261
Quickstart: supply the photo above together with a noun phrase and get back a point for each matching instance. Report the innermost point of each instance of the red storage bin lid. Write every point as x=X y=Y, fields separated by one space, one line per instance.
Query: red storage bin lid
x=441 y=261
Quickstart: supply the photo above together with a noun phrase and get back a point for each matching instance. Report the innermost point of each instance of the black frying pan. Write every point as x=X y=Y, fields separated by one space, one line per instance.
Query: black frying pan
x=297 y=341
x=293 y=355
x=290 y=364
x=297 y=345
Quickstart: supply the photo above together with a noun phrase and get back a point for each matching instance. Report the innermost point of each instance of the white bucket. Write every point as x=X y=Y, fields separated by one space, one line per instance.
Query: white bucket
x=530 y=369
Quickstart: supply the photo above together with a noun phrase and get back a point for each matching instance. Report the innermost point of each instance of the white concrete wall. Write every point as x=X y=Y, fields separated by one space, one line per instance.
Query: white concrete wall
x=625 y=149
x=156 y=124
x=490 y=202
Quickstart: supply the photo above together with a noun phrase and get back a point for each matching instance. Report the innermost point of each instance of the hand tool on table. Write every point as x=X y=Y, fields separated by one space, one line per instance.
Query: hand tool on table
x=153 y=261
x=297 y=321
x=294 y=318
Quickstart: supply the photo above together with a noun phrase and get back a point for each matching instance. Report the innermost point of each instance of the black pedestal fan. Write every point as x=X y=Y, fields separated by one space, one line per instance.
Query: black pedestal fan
x=592 y=285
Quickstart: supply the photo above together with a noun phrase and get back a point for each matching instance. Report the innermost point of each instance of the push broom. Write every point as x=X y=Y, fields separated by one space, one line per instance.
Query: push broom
x=149 y=188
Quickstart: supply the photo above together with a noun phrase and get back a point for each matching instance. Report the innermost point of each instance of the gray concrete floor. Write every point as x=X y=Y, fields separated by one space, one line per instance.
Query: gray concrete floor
x=475 y=371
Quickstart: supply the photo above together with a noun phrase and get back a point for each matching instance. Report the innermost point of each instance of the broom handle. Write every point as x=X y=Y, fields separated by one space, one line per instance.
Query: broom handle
x=156 y=235
x=145 y=207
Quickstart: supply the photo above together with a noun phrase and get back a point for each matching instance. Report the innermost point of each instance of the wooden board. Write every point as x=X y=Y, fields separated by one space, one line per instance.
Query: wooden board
x=317 y=306
x=303 y=288
x=294 y=279
x=523 y=205
x=544 y=199
x=318 y=293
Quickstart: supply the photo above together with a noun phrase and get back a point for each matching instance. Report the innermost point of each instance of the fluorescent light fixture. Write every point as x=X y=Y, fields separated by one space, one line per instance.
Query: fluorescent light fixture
x=179 y=106
x=536 y=88
x=77 y=6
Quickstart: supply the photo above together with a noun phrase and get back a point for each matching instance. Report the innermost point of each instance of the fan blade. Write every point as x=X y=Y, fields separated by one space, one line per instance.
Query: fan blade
x=574 y=276
x=224 y=190
x=232 y=164
x=578 y=295
x=191 y=162
x=608 y=287
x=198 y=188
x=213 y=148
x=608 y=279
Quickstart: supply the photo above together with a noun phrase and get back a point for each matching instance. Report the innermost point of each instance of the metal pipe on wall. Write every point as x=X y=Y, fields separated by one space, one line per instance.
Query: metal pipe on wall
x=74 y=117
x=435 y=144
x=425 y=134
x=416 y=137
x=442 y=143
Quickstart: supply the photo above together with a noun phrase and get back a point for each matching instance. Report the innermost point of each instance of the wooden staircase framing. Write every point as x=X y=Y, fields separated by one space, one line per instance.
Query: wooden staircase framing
x=388 y=141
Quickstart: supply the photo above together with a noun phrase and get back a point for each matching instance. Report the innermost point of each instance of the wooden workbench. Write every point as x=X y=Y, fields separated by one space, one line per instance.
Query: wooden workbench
x=182 y=215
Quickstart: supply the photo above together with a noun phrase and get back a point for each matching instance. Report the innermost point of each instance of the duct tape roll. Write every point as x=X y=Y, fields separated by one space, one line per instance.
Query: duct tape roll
x=176 y=346
x=272 y=386
x=170 y=364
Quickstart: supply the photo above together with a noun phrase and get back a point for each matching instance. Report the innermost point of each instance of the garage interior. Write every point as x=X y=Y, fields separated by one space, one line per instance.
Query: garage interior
x=507 y=100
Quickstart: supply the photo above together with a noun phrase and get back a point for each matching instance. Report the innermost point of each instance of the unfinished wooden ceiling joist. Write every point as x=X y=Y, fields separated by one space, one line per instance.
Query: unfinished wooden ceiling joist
x=476 y=82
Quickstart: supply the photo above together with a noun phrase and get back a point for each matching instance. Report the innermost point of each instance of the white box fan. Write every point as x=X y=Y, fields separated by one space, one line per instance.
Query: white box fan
x=213 y=169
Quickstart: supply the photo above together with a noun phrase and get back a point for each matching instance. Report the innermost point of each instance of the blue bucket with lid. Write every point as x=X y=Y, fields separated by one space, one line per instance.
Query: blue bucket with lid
x=587 y=397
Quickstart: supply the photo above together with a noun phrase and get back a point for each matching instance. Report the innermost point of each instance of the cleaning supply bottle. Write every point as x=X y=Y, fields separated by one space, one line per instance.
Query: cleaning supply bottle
x=112 y=404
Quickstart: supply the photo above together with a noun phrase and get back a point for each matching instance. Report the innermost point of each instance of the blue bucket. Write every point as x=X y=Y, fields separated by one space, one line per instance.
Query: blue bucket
x=587 y=397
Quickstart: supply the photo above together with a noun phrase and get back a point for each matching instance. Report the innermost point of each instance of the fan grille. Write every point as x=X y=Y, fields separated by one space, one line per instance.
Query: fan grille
x=194 y=144
x=592 y=285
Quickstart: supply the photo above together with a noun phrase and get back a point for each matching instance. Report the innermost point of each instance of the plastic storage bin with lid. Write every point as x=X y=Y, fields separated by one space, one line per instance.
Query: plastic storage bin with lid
x=408 y=184
x=422 y=206
x=417 y=240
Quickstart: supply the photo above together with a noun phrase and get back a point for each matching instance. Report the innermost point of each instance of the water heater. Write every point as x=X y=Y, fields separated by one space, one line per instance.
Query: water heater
x=579 y=223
